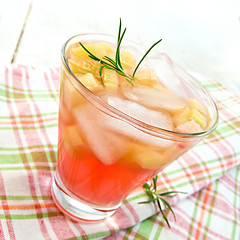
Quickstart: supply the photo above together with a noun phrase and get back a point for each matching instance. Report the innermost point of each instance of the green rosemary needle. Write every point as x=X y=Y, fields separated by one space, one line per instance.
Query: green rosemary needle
x=116 y=65
x=157 y=198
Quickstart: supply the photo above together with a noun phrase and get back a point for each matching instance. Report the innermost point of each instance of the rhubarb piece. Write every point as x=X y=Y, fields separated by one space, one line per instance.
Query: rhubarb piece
x=90 y=82
x=127 y=60
x=146 y=77
x=110 y=79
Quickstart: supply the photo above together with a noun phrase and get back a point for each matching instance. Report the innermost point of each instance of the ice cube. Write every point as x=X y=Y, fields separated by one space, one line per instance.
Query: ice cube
x=107 y=147
x=151 y=117
x=169 y=73
x=155 y=98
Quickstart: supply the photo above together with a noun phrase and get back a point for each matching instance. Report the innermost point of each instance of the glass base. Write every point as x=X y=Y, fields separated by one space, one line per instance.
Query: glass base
x=76 y=209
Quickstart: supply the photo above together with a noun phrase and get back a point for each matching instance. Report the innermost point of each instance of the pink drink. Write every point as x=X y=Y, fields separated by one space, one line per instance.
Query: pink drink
x=113 y=137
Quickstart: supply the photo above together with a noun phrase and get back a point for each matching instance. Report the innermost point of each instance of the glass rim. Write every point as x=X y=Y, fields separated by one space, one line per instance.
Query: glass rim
x=114 y=112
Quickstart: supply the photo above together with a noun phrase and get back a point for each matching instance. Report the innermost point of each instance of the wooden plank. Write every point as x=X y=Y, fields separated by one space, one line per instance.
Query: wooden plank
x=190 y=38
x=50 y=23
x=13 y=14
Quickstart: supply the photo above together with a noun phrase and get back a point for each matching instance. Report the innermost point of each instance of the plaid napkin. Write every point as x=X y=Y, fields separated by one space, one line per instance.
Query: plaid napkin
x=209 y=174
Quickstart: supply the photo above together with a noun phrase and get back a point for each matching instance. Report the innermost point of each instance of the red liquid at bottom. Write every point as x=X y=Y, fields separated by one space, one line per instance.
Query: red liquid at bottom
x=90 y=180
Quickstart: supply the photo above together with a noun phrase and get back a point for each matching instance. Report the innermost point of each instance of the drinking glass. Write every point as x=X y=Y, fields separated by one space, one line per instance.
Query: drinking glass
x=109 y=146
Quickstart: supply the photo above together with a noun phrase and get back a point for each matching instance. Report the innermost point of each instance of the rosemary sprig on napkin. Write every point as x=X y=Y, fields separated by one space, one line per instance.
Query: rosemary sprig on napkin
x=158 y=198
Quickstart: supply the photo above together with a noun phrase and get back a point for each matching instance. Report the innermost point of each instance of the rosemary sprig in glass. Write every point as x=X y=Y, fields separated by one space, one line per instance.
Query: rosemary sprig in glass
x=157 y=198
x=116 y=65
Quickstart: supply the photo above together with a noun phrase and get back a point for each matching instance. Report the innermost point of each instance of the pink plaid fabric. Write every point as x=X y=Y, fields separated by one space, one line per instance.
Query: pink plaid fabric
x=208 y=174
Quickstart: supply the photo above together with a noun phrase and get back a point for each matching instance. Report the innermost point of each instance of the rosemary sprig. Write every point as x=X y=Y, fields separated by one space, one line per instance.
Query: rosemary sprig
x=116 y=65
x=157 y=198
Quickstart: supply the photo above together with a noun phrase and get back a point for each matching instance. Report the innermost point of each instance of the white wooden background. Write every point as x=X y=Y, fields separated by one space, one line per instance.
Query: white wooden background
x=202 y=36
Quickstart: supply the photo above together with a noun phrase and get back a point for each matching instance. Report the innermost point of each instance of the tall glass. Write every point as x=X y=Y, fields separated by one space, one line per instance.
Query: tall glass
x=107 y=148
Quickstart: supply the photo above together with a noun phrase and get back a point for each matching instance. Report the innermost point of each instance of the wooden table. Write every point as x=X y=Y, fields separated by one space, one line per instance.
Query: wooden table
x=201 y=37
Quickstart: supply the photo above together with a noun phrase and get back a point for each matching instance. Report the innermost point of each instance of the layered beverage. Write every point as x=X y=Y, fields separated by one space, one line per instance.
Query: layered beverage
x=116 y=133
